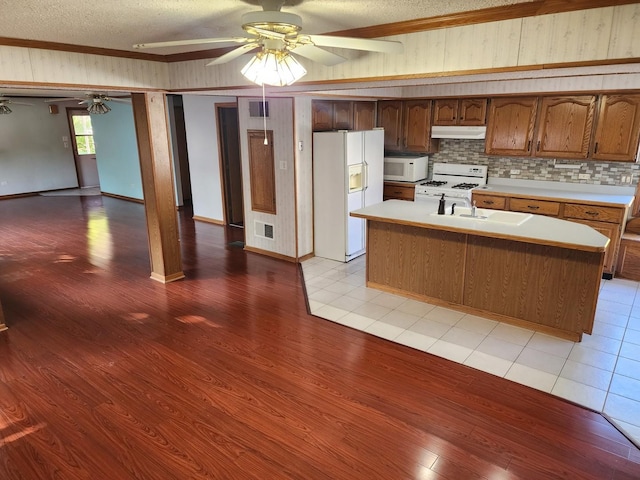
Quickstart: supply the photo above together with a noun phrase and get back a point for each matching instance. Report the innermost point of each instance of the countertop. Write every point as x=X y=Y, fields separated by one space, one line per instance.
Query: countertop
x=595 y=194
x=538 y=229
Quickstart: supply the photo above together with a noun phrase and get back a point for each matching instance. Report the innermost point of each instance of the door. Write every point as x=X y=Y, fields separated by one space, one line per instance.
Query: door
x=229 y=140
x=84 y=148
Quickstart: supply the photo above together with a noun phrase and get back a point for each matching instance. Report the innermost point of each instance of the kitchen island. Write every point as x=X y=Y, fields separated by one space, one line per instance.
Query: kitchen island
x=529 y=270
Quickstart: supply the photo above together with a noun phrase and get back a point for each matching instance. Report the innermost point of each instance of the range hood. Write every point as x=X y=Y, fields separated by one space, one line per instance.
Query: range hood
x=454 y=131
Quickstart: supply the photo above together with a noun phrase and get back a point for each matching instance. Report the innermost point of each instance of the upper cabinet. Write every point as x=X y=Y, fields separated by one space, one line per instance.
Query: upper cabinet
x=322 y=115
x=460 y=111
x=330 y=115
x=511 y=125
x=343 y=115
x=407 y=125
x=364 y=115
x=618 y=128
x=564 y=126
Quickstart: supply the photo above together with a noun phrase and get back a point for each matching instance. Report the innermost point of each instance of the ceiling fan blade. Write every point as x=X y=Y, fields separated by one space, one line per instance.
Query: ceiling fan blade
x=21 y=103
x=200 y=41
x=52 y=100
x=235 y=53
x=384 y=46
x=119 y=100
x=318 y=54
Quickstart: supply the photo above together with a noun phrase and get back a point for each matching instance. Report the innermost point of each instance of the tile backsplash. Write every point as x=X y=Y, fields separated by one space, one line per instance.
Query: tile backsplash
x=600 y=173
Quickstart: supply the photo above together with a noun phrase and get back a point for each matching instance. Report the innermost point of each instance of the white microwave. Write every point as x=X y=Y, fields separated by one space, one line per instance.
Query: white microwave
x=405 y=168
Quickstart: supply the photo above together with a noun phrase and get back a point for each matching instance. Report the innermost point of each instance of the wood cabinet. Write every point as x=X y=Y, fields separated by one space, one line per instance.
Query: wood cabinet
x=390 y=118
x=327 y=115
x=407 y=125
x=364 y=115
x=539 y=207
x=493 y=202
x=510 y=126
x=321 y=115
x=398 y=191
x=564 y=126
x=608 y=220
x=460 y=111
x=343 y=115
x=618 y=128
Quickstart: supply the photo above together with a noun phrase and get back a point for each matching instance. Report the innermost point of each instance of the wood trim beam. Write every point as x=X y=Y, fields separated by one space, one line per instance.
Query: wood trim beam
x=150 y=118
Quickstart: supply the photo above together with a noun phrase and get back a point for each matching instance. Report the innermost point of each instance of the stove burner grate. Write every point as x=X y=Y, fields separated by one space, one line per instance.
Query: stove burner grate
x=465 y=186
x=434 y=183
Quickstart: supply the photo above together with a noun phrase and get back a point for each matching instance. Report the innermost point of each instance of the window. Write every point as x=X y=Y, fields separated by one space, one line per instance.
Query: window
x=83 y=132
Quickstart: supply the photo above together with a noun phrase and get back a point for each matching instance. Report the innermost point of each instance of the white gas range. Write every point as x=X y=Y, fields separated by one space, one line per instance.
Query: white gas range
x=453 y=180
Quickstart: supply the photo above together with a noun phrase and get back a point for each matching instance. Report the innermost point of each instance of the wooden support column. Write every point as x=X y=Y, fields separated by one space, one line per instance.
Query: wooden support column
x=3 y=326
x=150 y=117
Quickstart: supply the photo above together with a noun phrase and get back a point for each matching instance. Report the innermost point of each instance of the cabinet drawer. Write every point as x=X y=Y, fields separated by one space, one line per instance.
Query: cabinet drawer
x=591 y=212
x=490 y=201
x=398 y=192
x=540 y=207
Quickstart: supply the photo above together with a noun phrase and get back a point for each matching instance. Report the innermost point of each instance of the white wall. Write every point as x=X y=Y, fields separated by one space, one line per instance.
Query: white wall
x=304 y=174
x=280 y=121
x=33 y=157
x=204 y=162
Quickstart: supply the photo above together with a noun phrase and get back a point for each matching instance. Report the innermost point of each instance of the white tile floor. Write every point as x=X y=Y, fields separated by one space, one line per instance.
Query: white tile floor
x=602 y=372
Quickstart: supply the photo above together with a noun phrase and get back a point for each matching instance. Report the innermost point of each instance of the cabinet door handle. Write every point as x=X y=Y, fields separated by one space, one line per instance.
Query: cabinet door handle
x=593 y=214
x=595 y=150
x=529 y=146
x=488 y=202
x=538 y=146
x=533 y=207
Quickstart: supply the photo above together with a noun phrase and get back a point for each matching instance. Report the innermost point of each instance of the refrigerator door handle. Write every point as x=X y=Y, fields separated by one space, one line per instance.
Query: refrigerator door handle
x=365 y=172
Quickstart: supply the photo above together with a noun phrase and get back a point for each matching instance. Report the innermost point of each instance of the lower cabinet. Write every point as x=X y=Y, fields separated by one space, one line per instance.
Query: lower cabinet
x=608 y=220
x=398 y=191
x=612 y=231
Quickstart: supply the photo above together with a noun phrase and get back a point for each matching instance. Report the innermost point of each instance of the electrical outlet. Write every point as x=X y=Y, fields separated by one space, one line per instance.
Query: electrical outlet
x=584 y=176
x=625 y=179
x=283 y=164
x=515 y=172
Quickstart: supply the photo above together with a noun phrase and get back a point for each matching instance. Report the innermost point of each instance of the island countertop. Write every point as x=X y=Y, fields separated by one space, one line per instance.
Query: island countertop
x=536 y=229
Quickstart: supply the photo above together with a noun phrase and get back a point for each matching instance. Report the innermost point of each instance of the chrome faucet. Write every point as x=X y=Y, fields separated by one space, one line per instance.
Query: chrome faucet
x=453 y=208
x=473 y=209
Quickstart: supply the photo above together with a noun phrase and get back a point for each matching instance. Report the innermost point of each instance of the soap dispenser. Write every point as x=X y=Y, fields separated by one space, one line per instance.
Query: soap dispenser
x=441 y=205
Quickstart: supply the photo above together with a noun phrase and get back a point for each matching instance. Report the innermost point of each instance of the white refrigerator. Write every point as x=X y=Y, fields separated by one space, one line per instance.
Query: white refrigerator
x=348 y=169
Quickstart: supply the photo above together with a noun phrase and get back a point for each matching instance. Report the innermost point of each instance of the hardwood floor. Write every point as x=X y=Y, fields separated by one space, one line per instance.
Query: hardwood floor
x=106 y=374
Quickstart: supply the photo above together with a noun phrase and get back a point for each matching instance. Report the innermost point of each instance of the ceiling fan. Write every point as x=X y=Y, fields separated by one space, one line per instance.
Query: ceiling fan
x=277 y=31
x=6 y=101
x=95 y=101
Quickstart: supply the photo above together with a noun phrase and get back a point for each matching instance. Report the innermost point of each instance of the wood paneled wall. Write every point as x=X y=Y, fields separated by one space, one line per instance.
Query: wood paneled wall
x=599 y=34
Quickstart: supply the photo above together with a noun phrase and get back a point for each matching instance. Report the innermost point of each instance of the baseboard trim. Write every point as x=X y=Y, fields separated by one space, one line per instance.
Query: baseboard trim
x=122 y=197
x=167 y=278
x=279 y=256
x=208 y=220
x=306 y=257
x=18 y=195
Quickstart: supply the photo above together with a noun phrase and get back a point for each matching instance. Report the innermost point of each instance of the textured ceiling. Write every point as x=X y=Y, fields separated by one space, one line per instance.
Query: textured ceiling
x=118 y=24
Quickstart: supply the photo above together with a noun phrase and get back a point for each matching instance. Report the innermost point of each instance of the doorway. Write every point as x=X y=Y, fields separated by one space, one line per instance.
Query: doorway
x=84 y=147
x=229 y=140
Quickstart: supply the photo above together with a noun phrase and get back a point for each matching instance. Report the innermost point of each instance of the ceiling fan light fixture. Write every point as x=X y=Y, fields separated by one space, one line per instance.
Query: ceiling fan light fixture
x=98 y=107
x=273 y=67
x=4 y=110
